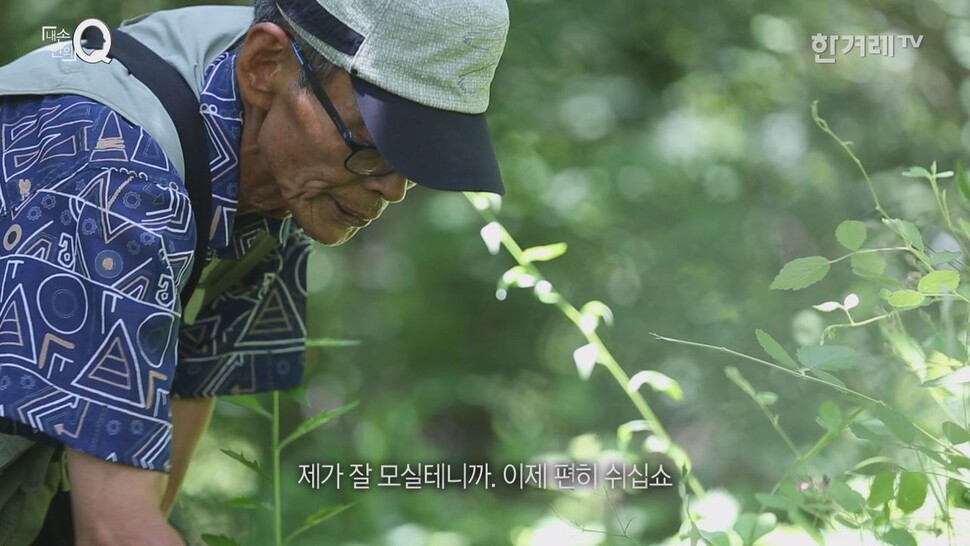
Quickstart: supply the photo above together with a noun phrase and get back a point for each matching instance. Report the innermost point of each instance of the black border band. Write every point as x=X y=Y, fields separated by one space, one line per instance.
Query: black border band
x=315 y=19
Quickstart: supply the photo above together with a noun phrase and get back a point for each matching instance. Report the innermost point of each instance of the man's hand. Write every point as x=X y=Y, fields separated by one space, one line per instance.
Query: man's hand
x=117 y=505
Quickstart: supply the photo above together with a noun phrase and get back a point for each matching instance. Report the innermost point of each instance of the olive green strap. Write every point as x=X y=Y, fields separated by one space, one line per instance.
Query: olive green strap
x=219 y=275
x=27 y=485
x=11 y=447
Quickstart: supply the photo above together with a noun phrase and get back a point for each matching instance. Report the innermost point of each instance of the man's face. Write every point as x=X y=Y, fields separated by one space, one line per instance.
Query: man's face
x=292 y=153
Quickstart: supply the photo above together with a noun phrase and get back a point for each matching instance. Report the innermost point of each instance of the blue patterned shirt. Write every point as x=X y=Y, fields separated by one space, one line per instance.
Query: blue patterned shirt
x=96 y=240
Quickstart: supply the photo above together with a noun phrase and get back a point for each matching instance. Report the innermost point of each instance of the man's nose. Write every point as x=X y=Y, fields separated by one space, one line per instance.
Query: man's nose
x=392 y=186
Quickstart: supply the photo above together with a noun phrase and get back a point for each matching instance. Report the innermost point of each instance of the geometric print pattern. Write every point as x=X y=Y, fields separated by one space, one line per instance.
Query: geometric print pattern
x=96 y=240
x=252 y=337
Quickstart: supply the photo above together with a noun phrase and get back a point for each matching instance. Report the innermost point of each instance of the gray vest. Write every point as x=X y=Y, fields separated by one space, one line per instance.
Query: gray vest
x=188 y=38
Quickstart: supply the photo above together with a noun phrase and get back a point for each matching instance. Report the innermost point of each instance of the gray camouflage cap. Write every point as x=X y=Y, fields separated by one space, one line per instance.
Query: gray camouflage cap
x=421 y=71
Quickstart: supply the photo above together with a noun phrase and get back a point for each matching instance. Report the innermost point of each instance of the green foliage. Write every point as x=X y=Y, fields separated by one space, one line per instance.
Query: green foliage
x=801 y=273
x=905 y=298
x=882 y=489
x=851 y=234
x=315 y=422
x=932 y=277
x=912 y=491
x=751 y=527
x=937 y=282
x=305 y=427
x=827 y=357
x=218 y=540
x=315 y=519
x=774 y=349
x=899 y=537
x=251 y=464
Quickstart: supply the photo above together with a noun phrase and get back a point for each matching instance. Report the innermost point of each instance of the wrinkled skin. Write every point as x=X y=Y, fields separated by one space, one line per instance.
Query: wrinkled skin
x=291 y=162
x=292 y=156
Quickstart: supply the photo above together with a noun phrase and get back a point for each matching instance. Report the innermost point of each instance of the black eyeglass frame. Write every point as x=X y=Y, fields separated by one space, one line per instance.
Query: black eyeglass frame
x=356 y=148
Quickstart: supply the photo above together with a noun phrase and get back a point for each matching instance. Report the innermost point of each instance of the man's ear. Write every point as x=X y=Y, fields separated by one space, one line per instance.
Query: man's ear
x=264 y=65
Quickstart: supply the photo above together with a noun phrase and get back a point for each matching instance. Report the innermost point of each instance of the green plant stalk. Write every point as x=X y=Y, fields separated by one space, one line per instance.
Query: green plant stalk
x=869 y=251
x=605 y=357
x=277 y=486
x=934 y=395
x=773 y=419
x=934 y=488
x=802 y=375
x=817 y=448
x=847 y=146
x=966 y=404
x=824 y=126
x=945 y=210
x=827 y=332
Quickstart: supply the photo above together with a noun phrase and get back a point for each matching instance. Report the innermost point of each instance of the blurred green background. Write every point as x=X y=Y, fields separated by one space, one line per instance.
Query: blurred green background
x=670 y=144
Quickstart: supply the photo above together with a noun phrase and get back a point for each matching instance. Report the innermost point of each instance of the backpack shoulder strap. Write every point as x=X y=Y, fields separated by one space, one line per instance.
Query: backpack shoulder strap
x=182 y=106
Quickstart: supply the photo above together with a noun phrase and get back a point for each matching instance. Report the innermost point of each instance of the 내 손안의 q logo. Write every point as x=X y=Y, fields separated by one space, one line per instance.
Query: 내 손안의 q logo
x=99 y=55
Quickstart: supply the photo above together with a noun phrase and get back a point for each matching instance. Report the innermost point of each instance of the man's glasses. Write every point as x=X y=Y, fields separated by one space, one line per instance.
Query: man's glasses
x=364 y=159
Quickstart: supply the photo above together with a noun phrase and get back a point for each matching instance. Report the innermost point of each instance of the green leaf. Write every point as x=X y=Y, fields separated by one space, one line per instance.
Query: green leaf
x=775 y=501
x=801 y=272
x=868 y=264
x=851 y=234
x=943 y=257
x=957 y=494
x=827 y=357
x=315 y=519
x=912 y=491
x=843 y=520
x=960 y=376
x=249 y=402
x=958 y=463
x=766 y=398
x=717 y=539
x=910 y=234
x=955 y=433
x=251 y=464
x=316 y=421
x=624 y=432
x=879 y=464
x=882 y=489
x=962 y=183
x=591 y=314
x=826 y=376
x=543 y=253
x=905 y=298
x=658 y=382
x=246 y=503
x=735 y=376
x=519 y=276
x=751 y=527
x=774 y=349
x=830 y=416
x=899 y=537
x=896 y=422
x=846 y=497
x=863 y=432
x=917 y=172
x=298 y=394
x=810 y=526
x=218 y=540
x=965 y=227
x=939 y=281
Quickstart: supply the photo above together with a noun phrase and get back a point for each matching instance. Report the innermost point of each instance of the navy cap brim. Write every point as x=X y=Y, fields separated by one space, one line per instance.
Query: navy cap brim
x=436 y=148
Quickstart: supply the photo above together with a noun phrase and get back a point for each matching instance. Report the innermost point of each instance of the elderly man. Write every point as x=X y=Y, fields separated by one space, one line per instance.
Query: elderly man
x=319 y=113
